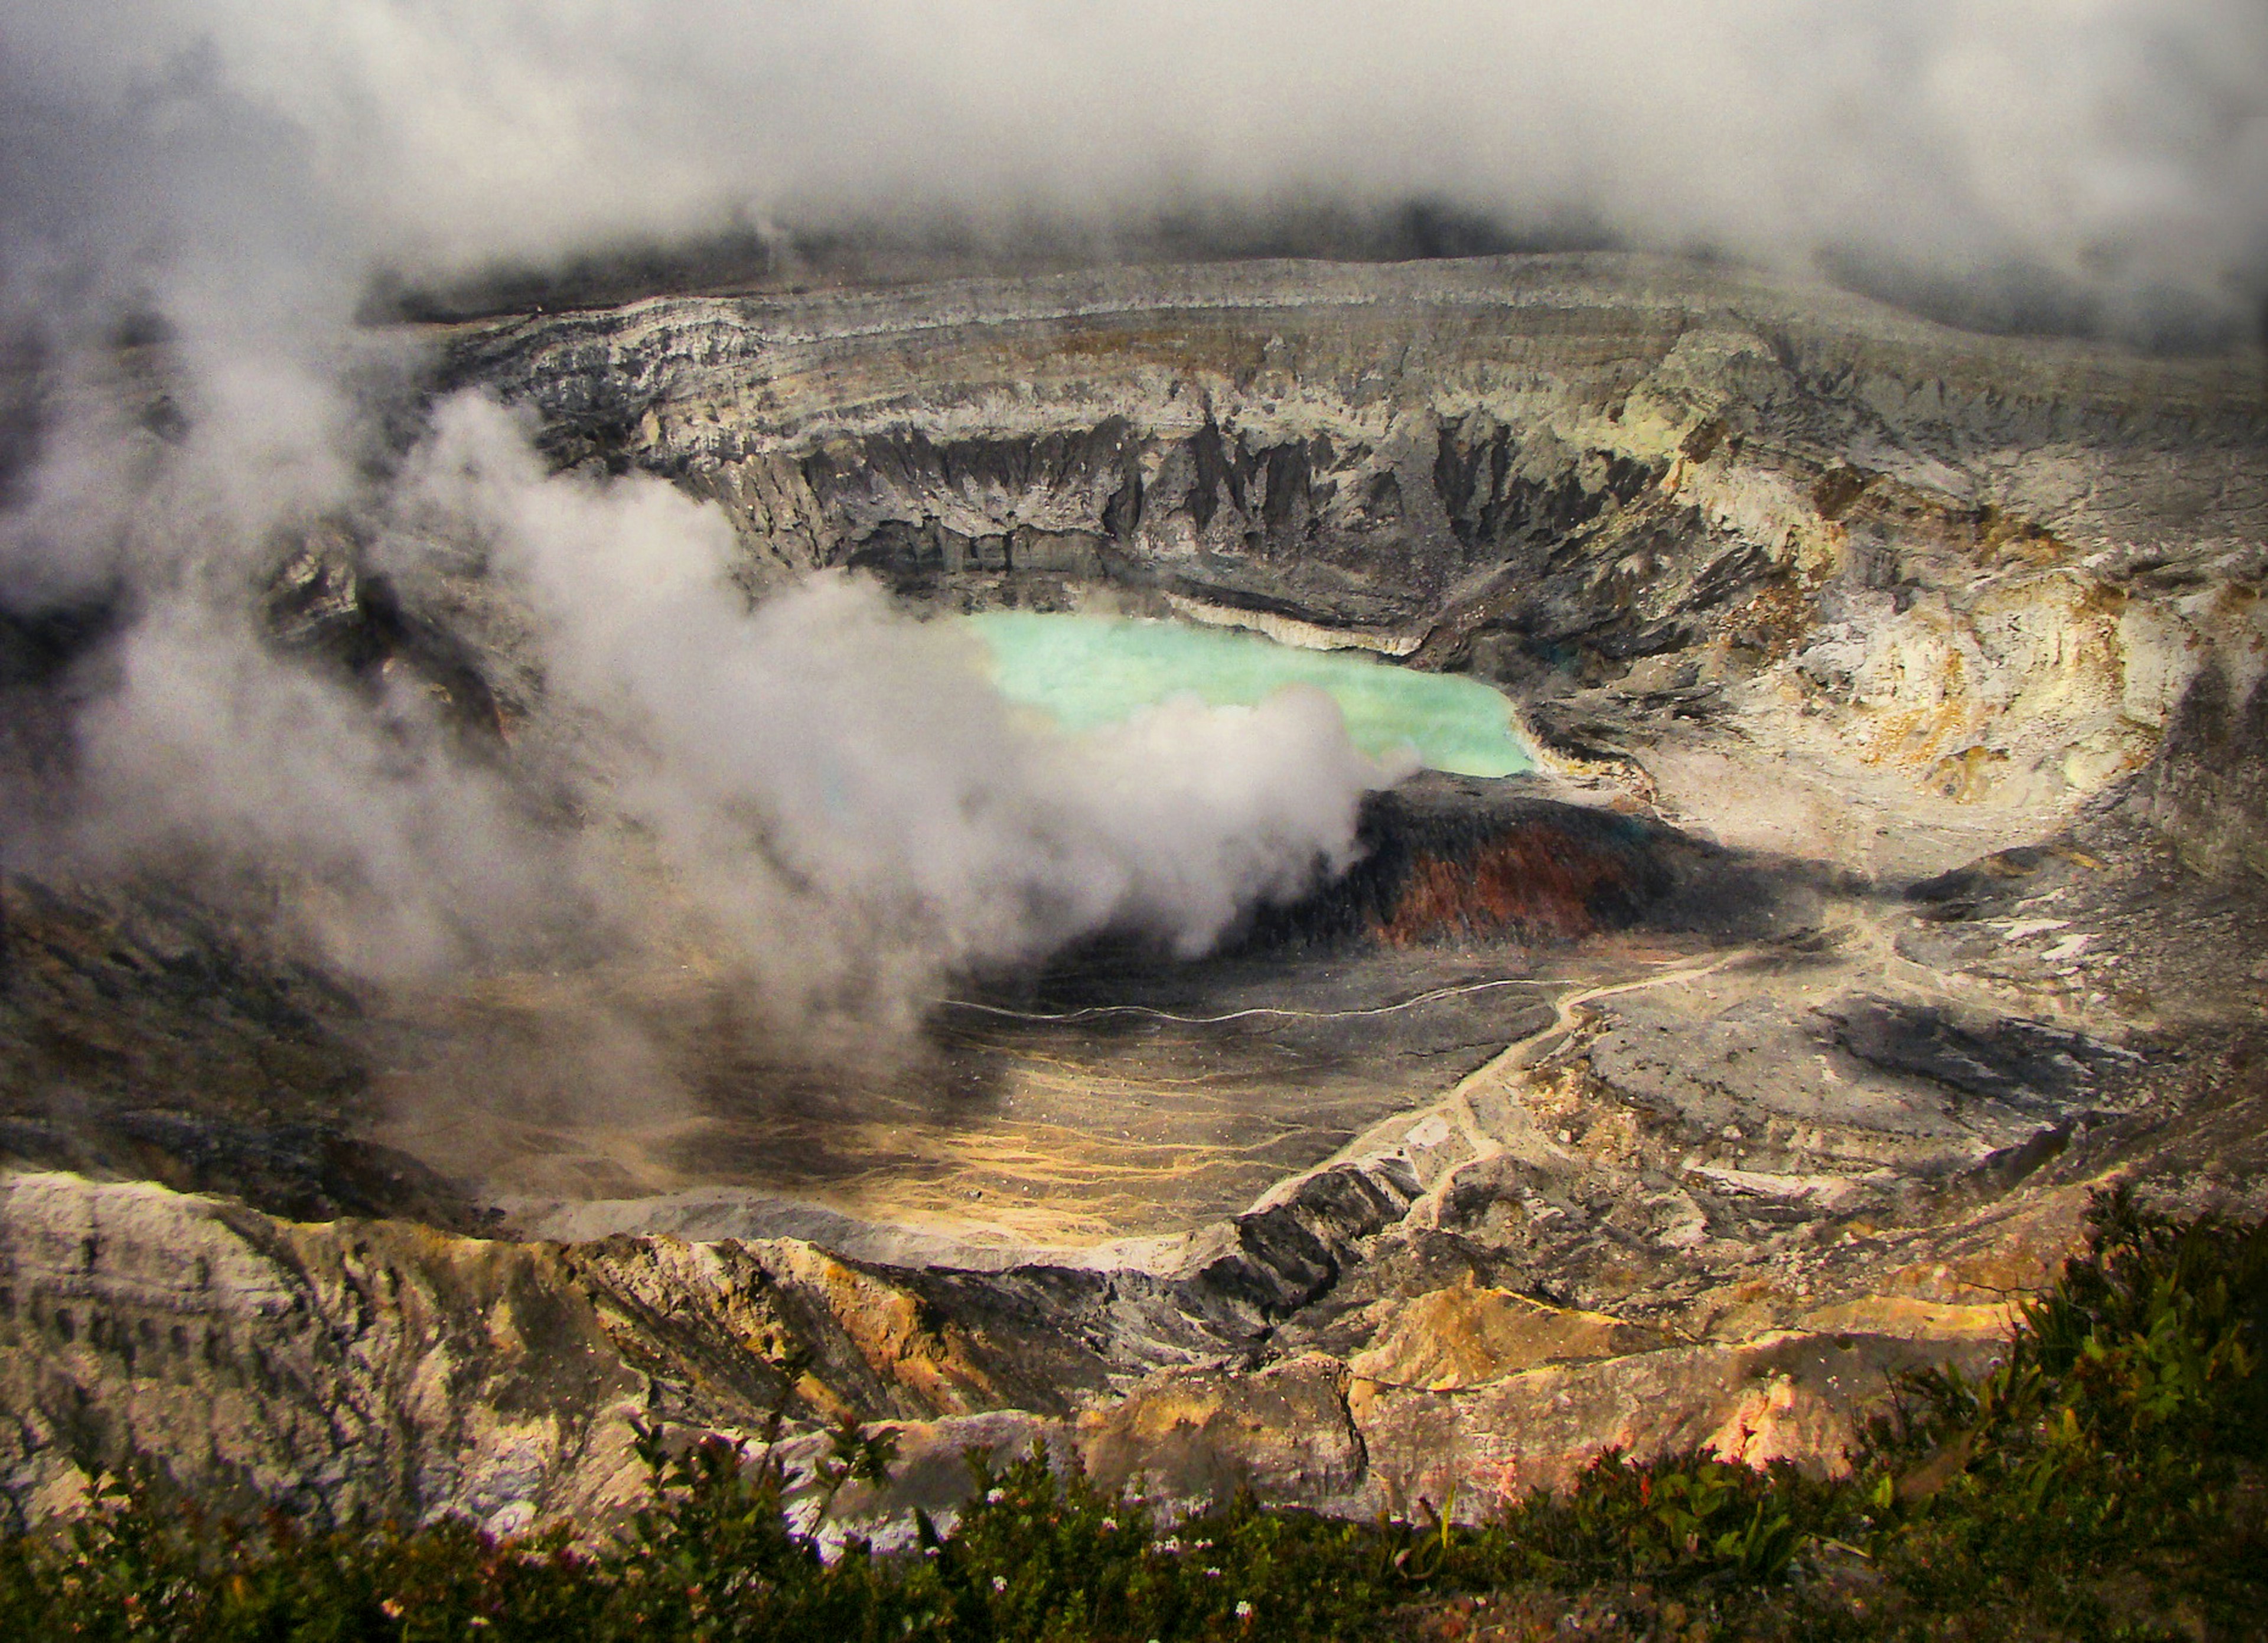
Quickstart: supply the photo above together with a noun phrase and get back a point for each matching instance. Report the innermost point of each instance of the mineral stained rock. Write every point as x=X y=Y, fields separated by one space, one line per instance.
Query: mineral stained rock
x=1896 y=878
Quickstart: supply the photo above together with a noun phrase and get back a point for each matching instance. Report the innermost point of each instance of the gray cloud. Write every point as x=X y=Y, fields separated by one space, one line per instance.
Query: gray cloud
x=2116 y=149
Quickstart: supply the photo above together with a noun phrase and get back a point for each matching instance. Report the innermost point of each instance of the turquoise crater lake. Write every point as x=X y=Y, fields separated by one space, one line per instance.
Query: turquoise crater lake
x=1084 y=671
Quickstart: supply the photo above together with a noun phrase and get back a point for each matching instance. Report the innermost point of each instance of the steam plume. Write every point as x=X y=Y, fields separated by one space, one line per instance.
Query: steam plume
x=843 y=787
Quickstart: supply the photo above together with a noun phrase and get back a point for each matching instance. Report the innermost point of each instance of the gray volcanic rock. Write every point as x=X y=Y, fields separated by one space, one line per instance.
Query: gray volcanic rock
x=1896 y=879
x=144 y=1035
x=1987 y=562
x=383 y=1368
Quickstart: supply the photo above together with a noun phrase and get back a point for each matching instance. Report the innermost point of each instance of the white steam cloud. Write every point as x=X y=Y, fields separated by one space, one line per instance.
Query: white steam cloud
x=844 y=807
x=841 y=787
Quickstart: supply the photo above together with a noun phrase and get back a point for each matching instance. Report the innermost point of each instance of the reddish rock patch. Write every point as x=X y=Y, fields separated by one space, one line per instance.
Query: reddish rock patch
x=1537 y=881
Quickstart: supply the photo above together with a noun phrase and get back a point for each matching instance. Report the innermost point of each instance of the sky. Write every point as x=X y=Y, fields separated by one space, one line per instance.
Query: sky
x=2113 y=151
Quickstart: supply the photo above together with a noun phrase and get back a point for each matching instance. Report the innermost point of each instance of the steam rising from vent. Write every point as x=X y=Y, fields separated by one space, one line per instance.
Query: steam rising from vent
x=848 y=809
x=842 y=788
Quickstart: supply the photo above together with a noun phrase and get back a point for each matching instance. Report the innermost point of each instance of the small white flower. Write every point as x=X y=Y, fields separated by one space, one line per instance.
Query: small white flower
x=1212 y=1575
x=996 y=1496
x=1109 y=1525
x=1243 y=1608
x=1000 y=1582
x=928 y=1552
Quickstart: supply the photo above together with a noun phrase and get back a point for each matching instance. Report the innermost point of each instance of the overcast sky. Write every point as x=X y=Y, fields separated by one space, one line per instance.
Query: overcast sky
x=2117 y=147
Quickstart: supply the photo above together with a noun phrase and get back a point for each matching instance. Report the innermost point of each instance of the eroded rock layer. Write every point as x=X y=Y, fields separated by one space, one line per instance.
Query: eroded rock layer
x=1992 y=563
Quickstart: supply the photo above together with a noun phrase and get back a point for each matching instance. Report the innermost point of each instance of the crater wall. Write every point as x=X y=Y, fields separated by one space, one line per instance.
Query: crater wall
x=1991 y=566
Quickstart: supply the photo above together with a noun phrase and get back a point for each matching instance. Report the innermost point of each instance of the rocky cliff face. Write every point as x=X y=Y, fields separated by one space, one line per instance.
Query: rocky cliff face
x=1896 y=878
x=1991 y=564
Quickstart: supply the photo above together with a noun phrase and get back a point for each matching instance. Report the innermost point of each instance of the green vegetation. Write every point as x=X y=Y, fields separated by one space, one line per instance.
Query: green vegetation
x=2105 y=1481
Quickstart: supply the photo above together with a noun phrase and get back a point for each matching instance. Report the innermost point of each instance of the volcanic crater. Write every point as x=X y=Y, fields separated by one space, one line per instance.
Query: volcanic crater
x=1890 y=877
